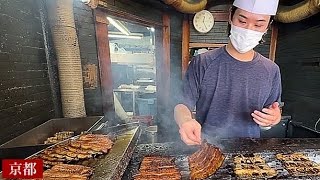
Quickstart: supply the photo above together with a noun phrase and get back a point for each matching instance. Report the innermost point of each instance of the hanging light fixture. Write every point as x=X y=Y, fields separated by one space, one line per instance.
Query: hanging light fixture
x=120 y=35
x=119 y=26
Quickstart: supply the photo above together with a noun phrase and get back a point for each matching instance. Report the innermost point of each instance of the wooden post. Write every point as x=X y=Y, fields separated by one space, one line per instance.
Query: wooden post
x=163 y=65
x=273 y=43
x=104 y=60
x=185 y=44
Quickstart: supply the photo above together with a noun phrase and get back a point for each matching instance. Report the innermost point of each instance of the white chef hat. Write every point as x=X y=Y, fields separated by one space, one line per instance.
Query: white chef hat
x=267 y=7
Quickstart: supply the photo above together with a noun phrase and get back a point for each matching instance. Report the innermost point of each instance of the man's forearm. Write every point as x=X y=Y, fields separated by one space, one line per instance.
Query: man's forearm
x=182 y=114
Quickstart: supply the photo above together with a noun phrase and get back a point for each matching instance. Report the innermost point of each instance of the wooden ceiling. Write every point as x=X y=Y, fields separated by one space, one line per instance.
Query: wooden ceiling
x=159 y=4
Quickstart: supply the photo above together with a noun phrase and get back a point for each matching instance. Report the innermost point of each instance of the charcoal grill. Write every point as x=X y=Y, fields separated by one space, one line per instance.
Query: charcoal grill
x=33 y=141
x=39 y=134
x=112 y=165
x=266 y=148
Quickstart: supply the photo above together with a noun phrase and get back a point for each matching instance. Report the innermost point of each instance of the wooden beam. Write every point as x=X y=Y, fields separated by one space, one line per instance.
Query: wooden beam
x=226 y=3
x=220 y=15
x=185 y=44
x=205 y=45
x=159 y=61
x=125 y=16
x=104 y=61
x=273 y=43
x=163 y=73
x=100 y=17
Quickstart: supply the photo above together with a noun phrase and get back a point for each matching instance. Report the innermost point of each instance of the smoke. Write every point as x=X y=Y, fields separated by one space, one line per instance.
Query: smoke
x=165 y=114
x=214 y=138
x=215 y=141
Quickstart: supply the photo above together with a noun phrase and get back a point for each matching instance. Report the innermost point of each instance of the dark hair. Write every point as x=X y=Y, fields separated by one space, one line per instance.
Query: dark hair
x=233 y=10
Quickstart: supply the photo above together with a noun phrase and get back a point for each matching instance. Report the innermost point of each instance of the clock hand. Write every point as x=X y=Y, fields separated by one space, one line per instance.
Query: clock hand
x=205 y=25
x=204 y=22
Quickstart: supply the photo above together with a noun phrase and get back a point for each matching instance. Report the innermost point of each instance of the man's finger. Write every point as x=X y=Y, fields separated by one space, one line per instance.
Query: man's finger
x=262 y=116
x=268 y=111
x=260 y=123
x=257 y=118
x=197 y=133
x=185 y=138
x=275 y=105
x=191 y=135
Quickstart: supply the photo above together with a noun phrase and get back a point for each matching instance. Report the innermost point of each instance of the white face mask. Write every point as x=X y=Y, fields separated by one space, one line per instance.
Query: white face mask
x=243 y=40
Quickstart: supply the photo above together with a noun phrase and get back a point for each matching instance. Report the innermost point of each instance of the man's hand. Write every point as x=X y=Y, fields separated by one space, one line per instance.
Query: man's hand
x=190 y=132
x=269 y=116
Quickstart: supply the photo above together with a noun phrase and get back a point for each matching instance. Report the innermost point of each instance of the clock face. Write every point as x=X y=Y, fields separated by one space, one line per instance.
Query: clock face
x=203 y=21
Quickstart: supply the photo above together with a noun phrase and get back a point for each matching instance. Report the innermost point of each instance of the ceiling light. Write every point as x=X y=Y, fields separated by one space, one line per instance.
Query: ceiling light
x=125 y=36
x=119 y=26
x=151 y=29
x=120 y=35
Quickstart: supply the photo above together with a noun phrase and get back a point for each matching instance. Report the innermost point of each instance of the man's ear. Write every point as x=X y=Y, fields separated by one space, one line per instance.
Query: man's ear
x=230 y=20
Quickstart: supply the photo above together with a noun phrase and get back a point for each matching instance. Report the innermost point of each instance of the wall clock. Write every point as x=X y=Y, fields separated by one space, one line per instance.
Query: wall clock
x=203 y=21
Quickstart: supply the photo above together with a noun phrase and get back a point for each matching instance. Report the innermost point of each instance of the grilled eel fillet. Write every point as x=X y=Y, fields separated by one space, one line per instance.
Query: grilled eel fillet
x=95 y=142
x=157 y=168
x=252 y=166
x=85 y=147
x=67 y=171
x=205 y=162
x=155 y=161
x=59 y=136
x=298 y=164
x=157 y=177
x=73 y=169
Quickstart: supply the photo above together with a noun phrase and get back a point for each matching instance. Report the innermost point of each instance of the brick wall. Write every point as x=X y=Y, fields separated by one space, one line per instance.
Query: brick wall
x=85 y=25
x=25 y=95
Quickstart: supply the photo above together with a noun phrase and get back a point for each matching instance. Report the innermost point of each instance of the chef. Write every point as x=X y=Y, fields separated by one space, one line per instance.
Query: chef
x=233 y=89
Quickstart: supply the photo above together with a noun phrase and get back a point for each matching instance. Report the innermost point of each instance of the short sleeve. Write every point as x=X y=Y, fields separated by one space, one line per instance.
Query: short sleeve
x=276 y=90
x=192 y=82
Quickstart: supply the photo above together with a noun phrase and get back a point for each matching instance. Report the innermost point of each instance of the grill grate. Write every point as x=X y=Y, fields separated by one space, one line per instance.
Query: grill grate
x=112 y=165
x=266 y=148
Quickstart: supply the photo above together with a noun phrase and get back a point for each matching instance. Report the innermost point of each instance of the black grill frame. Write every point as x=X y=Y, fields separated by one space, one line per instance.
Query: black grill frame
x=266 y=148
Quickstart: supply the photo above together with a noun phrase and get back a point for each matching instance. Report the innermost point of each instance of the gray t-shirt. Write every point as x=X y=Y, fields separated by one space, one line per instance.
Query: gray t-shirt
x=225 y=92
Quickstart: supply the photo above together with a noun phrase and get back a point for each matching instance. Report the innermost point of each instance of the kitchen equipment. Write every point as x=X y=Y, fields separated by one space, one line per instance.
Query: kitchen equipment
x=266 y=148
x=299 y=130
x=33 y=141
x=39 y=134
x=151 y=133
x=277 y=131
x=112 y=165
